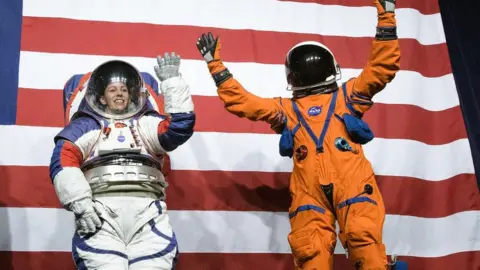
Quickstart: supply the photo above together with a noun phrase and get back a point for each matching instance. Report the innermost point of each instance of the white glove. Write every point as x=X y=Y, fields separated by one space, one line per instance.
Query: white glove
x=86 y=216
x=168 y=66
x=176 y=92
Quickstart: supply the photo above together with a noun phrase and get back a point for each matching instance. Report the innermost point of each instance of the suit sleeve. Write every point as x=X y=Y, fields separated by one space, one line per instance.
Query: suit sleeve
x=165 y=134
x=381 y=68
x=240 y=102
x=72 y=145
x=176 y=129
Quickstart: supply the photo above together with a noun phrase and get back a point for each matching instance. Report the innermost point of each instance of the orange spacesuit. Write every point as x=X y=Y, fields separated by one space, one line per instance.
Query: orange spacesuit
x=331 y=176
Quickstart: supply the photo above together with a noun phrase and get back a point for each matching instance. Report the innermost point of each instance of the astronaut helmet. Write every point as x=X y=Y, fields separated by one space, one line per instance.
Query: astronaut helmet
x=310 y=65
x=115 y=90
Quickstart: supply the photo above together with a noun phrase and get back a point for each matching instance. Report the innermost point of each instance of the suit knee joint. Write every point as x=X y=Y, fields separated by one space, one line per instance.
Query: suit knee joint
x=306 y=243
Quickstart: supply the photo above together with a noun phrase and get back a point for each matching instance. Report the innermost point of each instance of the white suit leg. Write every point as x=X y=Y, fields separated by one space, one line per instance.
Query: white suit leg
x=154 y=246
x=135 y=234
x=103 y=250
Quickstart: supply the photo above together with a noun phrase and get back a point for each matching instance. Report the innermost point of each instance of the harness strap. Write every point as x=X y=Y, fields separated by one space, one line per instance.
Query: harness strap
x=303 y=122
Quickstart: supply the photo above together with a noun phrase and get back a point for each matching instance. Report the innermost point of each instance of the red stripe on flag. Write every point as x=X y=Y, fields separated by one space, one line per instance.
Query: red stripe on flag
x=386 y=120
x=241 y=261
x=237 y=45
x=399 y=121
x=256 y=191
x=424 y=7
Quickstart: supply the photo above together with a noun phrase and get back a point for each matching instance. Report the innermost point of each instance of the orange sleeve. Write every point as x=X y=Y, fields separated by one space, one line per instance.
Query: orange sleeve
x=382 y=65
x=242 y=103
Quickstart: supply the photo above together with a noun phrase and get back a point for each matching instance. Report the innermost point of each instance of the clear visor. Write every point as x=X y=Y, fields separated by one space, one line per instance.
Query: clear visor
x=118 y=100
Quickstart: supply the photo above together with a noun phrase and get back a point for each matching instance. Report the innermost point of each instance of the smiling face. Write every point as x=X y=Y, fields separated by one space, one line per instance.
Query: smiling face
x=116 y=97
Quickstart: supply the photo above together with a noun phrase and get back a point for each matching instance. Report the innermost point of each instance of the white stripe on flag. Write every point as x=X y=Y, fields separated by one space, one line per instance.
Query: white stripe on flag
x=264 y=80
x=44 y=229
x=32 y=146
x=330 y=20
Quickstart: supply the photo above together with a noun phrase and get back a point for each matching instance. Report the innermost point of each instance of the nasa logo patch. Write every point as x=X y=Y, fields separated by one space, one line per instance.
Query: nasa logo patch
x=121 y=138
x=315 y=110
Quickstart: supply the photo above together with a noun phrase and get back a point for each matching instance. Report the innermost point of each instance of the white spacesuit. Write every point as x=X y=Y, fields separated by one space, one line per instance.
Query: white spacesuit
x=107 y=166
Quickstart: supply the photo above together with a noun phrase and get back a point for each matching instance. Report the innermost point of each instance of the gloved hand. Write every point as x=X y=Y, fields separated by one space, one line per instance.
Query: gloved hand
x=86 y=216
x=385 y=6
x=176 y=93
x=209 y=47
x=168 y=66
x=387 y=25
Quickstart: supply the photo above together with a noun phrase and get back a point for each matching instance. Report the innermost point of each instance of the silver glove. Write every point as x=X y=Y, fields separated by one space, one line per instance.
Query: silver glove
x=86 y=216
x=168 y=66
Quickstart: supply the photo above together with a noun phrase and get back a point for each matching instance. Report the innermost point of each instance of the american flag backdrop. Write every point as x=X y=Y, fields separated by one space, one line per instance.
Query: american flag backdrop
x=228 y=192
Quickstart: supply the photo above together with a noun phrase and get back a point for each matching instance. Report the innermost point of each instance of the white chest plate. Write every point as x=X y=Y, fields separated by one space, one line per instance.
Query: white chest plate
x=120 y=136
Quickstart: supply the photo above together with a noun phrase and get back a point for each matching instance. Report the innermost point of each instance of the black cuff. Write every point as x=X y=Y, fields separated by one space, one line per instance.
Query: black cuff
x=221 y=76
x=386 y=33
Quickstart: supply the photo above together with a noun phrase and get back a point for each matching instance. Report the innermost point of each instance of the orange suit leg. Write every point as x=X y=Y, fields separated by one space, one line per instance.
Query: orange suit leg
x=312 y=237
x=361 y=230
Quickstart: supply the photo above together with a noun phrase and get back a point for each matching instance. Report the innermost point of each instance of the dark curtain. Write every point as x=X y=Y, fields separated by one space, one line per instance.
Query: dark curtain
x=461 y=22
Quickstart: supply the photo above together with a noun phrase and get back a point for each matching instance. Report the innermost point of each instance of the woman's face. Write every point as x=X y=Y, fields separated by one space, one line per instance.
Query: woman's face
x=116 y=97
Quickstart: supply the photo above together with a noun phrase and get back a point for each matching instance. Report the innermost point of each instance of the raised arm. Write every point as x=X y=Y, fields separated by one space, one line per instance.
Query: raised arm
x=384 y=60
x=166 y=134
x=236 y=98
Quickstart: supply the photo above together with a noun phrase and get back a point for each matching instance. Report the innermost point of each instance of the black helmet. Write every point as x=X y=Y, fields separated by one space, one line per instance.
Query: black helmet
x=310 y=64
x=116 y=71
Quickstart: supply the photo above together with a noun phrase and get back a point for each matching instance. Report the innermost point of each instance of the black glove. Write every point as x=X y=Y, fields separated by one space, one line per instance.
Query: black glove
x=384 y=6
x=209 y=47
x=386 y=29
